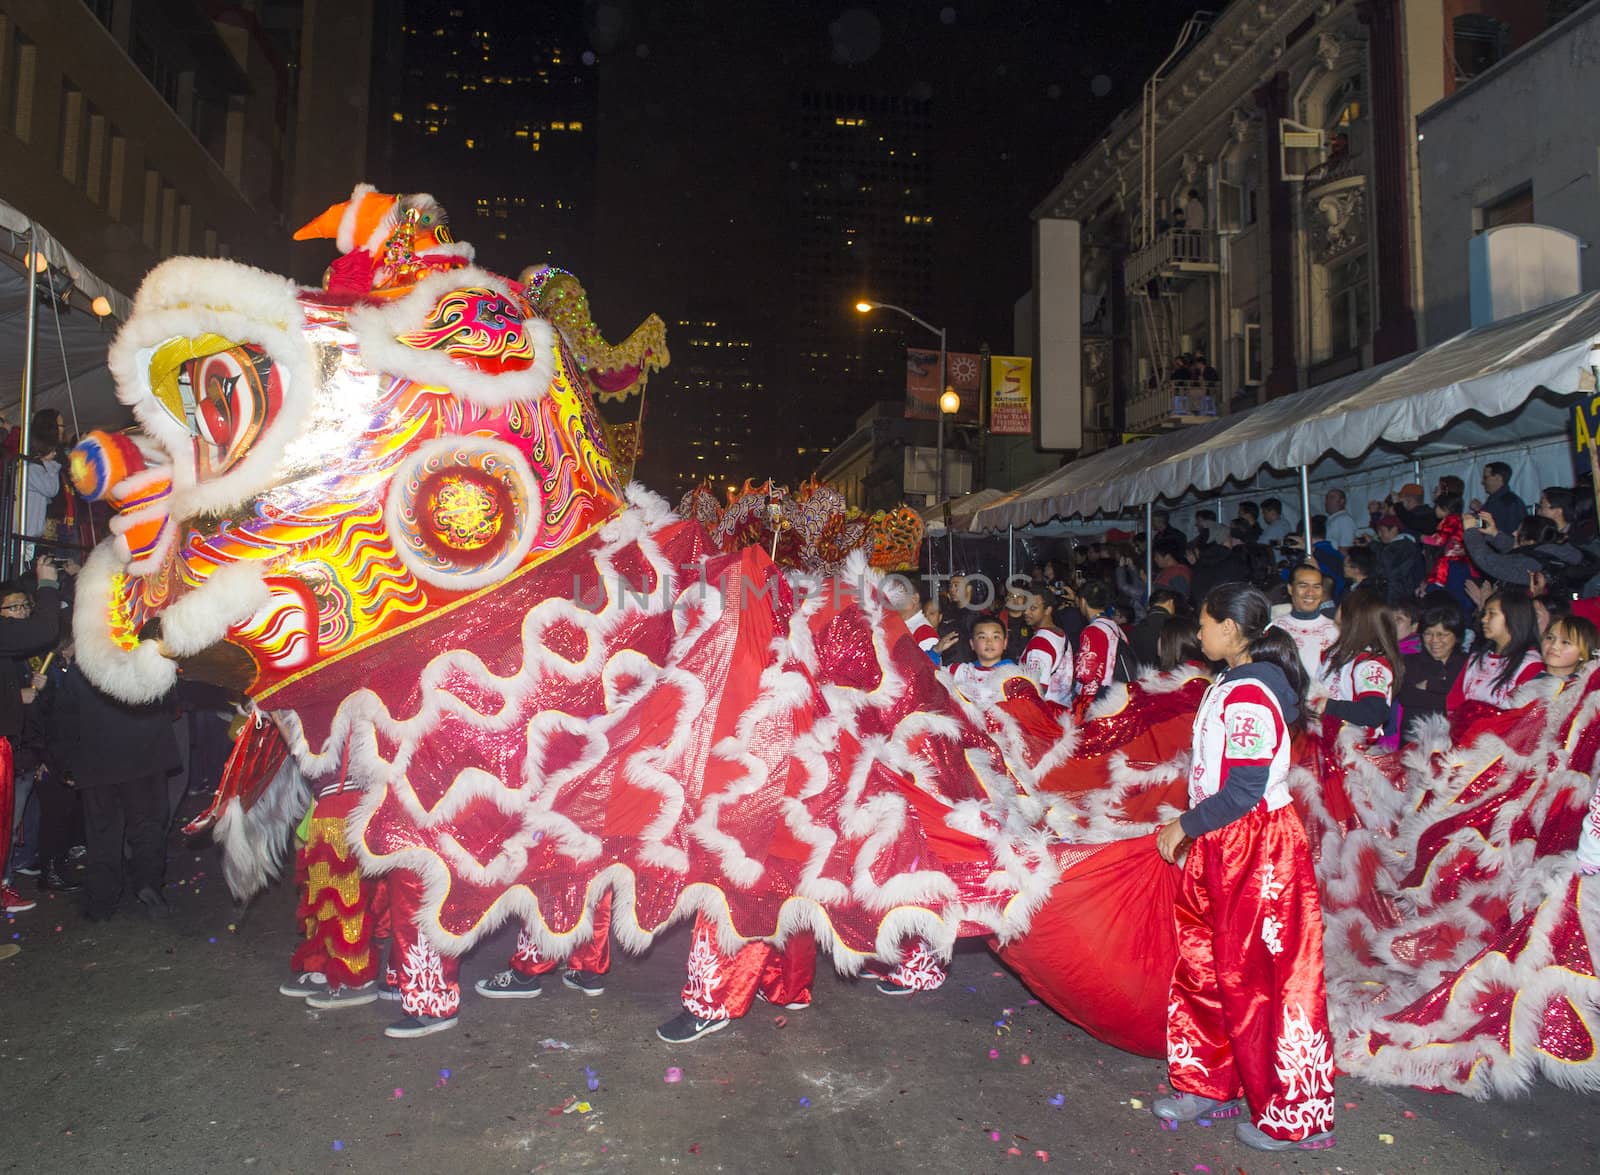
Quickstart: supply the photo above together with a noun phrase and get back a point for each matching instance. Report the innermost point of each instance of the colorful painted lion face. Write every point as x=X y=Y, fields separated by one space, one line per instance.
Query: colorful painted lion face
x=315 y=471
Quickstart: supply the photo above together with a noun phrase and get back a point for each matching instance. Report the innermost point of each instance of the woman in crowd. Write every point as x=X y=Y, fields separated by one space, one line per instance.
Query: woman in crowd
x=1569 y=645
x=1359 y=672
x=1178 y=646
x=1507 y=657
x=1429 y=674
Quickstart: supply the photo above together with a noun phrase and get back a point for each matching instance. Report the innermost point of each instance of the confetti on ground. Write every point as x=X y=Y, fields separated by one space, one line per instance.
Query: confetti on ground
x=1059 y=1100
x=399 y=1093
x=1166 y=1125
x=589 y=1076
x=1011 y=1150
x=212 y=941
x=805 y=1103
x=779 y=1021
x=1042 y=1156
x=338 y=1145
x=1025 y=1059
x=673 y=1075
x=1349 y=1105
x=1386 y=1139
x=1410 y=1114
x=694 y=1148
x=551 y=1042
x=1202 y=1169
x=994 y=1054
x=1136 y=1103
x=994 y=1136
x=1202 y=1121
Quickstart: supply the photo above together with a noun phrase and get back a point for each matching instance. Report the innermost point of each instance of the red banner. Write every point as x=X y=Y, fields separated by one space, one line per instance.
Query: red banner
x=963 y=373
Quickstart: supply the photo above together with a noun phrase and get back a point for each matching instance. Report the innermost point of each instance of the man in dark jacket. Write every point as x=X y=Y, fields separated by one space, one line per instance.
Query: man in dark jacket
x=119 y=757
x=1502 y=505
x=1401 y=563
x=1145 y=637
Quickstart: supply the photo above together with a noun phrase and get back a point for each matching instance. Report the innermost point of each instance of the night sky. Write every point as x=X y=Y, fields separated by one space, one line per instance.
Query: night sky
x=692 y=207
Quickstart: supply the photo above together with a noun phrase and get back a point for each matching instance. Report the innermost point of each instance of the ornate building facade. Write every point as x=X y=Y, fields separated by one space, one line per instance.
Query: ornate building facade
x=1250 y=228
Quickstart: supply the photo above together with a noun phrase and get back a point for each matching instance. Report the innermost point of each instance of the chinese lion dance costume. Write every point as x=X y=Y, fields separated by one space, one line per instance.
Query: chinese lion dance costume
x=386 y=511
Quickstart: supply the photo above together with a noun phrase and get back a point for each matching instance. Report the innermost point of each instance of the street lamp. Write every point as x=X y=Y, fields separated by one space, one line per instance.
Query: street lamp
x=947 y=395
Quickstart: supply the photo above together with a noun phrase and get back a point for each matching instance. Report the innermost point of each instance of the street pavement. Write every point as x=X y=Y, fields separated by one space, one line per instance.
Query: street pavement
x=139 y=1046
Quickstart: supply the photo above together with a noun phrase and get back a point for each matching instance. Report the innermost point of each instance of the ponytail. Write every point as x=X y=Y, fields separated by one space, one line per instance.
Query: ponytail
x=1250 y=611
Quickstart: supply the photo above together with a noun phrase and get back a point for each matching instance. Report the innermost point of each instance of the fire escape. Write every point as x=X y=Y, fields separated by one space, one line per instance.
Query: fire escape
x=1158 y=273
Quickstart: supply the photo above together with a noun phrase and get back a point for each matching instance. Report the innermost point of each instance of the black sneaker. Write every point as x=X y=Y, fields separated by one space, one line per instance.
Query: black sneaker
x=508 y=985
x=29 y=870
x=684 y=1027
x=588 y=982
x=51 y=881
x=419 y=1026
x=889 y=987
x=388 y=991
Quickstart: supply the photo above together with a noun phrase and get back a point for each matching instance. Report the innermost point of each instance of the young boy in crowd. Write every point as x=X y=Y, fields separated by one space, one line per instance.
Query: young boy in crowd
x=981 y=681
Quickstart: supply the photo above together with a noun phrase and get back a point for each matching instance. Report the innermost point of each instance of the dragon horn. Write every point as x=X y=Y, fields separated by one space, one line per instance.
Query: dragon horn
x=350 y=223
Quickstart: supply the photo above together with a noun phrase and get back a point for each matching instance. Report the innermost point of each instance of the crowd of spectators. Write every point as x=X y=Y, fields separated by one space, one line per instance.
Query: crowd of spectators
x=1458 y=600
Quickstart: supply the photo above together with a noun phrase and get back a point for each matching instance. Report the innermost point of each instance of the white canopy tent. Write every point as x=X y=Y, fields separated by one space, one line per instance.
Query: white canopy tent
x=70 y=342
x=1508 y=385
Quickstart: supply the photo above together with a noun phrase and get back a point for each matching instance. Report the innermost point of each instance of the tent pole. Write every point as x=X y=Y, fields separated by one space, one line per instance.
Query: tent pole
x=1011 y=554
x=13 y=560
x=1305 y=507
x=1149 y=548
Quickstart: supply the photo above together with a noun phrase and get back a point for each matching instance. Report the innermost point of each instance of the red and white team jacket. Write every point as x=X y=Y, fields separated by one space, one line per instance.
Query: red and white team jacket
x=1476 y=683
x=1097 y=657
x=1313 y=637
x=924 y=634
x=1369 y=676
x=1239 y=724
x=980 y=685
x=1048 y=660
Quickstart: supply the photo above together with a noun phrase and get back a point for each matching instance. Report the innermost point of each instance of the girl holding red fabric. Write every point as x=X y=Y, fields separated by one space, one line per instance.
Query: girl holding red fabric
x=1507 y=657
x=1247 y=1020
x=1360 y=672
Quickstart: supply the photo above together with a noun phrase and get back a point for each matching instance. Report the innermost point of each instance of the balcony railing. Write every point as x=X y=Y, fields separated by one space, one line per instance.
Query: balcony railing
x=1173 y=402
x=1175 y=252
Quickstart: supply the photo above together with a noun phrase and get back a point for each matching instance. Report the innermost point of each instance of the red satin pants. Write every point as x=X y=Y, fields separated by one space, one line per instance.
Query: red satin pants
x=722 y=987
x=1248 y=1013
x=429 y=982
x=593 y=956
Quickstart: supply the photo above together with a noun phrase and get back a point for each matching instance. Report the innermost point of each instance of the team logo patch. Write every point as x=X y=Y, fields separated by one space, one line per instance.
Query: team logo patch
x=1250 y=731
x=1374 y=677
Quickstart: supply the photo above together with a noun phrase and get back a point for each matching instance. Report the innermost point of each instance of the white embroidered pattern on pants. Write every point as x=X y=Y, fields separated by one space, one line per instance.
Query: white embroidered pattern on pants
x=1269 y=934
x=1180 y=1053
x=1305 y=1066
x=922 y=970
x=1270 y=889
x=705 y=973
x=423 y=991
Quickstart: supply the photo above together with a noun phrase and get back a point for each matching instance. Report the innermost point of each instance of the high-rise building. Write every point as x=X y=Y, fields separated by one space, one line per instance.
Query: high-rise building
x=717 y=372
x=861 y=210
x=490 y=107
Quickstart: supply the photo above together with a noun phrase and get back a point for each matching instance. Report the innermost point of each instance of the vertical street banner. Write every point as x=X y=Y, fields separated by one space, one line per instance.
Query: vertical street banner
x=1010 y=395
x=922 y=384
x=963 y=372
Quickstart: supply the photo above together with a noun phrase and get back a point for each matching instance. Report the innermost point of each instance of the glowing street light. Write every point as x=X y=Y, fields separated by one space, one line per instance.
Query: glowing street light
x=949 y=402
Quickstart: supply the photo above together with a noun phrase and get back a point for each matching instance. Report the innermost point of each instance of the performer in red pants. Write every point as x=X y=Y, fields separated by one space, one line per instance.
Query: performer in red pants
x=1248 y=1012
x=721 y=988
x=584 y=970
x=429 y=983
